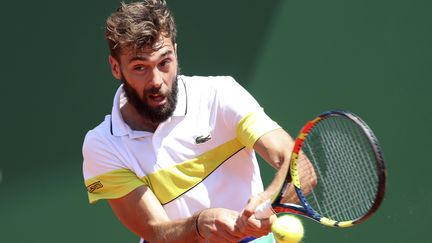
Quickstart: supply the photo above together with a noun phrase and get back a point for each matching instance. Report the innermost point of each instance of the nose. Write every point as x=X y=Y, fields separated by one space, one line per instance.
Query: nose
x=157 y=79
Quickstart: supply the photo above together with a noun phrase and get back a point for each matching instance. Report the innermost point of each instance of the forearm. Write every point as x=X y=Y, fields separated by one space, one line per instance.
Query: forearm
x=275 y=148
x=278 y=179
x=209 y=225
x=141 y=213
x=179 y=231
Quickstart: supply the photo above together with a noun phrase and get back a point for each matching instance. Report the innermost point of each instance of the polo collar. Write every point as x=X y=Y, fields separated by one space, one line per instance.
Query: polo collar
x=120 y=128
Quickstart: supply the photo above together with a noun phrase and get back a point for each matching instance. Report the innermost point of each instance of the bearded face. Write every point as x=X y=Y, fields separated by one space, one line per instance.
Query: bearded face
x=156 y=114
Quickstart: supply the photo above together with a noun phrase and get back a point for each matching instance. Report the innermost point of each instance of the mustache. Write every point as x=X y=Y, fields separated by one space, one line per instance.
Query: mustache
x=153 y=91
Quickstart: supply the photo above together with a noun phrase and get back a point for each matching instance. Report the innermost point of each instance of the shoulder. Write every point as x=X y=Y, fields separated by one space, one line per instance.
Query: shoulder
x=211 y=82
x=99 y=150
x=210 y=87
x=96 y=136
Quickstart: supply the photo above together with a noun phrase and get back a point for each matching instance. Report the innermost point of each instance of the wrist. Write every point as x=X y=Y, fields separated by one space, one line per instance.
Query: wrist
x=197 y=223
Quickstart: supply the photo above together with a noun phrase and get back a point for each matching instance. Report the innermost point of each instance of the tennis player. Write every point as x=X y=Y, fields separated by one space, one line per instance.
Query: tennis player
x=176 y=157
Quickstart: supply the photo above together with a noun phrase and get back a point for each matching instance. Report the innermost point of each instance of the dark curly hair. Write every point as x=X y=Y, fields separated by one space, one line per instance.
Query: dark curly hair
x=139 y=25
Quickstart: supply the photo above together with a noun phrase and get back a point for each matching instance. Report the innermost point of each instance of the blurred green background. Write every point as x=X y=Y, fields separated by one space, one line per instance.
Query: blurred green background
x=298 y=57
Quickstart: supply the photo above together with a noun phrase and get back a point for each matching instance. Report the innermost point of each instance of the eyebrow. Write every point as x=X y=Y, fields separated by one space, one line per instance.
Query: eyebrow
x=145 y=58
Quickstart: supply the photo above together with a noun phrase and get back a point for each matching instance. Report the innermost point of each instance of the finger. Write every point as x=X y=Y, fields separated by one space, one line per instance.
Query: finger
x=229 y=226
x=225 y=233
x=218 y=233
x=253 y=227
x=222 y=236
x=242 y=225
x=249 y=210
x=260 y=226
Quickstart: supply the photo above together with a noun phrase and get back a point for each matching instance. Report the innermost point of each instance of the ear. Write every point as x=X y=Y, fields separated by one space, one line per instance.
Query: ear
x=175 y=49
x=115 y=67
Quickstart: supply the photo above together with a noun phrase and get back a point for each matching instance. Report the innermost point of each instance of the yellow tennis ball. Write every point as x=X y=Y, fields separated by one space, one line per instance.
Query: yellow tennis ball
x=287 y=229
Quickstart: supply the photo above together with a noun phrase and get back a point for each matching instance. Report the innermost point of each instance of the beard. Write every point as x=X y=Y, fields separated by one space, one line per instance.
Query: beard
x=154 y=114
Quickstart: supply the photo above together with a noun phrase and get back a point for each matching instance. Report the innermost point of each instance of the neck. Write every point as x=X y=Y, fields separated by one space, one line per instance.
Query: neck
x=135 y=121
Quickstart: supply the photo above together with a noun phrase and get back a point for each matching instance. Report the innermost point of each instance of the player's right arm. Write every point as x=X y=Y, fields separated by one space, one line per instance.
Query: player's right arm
x=137 y=207
x=141 y=212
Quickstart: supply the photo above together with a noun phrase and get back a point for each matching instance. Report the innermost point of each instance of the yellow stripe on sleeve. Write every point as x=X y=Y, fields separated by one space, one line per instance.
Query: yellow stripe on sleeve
x=111 y=185
x=253 y=126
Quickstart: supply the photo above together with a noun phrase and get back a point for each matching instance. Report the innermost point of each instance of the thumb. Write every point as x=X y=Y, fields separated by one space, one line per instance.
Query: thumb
x=253 y=203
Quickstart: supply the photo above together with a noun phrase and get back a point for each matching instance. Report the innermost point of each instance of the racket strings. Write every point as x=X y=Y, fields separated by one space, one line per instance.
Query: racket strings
x=332 y=202
x=344 y=164
x=319 y=174
x=340 y=206
x=354 y=185
x=351 y=186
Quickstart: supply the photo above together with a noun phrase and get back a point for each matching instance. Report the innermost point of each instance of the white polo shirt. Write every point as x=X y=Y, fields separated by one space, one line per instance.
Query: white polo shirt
x=199 y=158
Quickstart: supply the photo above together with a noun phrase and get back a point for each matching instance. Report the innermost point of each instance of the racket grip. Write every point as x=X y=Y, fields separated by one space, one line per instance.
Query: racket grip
x=264 y=210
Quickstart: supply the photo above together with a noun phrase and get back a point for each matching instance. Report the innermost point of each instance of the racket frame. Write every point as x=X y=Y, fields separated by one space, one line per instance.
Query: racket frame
x=305 y=209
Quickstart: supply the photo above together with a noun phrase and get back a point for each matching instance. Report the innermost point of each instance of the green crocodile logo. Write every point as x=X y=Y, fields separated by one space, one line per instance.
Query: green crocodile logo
x=202 y=139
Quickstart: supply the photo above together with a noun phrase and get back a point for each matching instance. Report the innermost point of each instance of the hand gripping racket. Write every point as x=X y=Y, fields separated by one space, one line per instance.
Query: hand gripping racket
x=349 y=168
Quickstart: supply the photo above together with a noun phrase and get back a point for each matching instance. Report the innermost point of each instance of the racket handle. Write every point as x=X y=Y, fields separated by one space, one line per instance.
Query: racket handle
x=264 y=210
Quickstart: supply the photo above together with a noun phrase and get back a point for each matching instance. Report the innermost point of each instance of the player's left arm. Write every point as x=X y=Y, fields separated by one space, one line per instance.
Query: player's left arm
x=275 y=148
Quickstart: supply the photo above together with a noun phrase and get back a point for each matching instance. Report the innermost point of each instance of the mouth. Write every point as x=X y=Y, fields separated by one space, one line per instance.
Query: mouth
x=157 y=99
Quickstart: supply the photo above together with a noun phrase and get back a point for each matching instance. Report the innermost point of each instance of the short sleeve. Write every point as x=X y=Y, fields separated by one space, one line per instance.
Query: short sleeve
x=105 y=175
x=241 y=111
x=234 y=101
x=253 y=126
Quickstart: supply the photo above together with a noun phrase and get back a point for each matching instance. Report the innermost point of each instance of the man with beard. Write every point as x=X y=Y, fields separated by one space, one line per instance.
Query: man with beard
x=175 y=159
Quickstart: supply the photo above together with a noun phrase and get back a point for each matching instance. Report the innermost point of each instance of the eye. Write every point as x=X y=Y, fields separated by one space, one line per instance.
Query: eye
x=165 y=63
x=139 y=68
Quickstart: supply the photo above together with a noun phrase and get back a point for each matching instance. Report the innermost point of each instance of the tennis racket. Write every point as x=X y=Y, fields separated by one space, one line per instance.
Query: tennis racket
x=349 y=169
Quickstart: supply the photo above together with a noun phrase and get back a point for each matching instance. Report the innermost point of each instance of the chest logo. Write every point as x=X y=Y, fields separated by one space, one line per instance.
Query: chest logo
x=203 y=138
